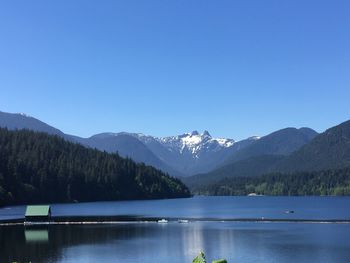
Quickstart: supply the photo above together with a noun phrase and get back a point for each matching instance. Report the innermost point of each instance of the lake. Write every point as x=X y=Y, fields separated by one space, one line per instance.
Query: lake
x=209 y=229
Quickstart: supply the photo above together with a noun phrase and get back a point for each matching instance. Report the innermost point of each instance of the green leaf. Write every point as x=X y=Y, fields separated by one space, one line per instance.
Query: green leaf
x=200 y=258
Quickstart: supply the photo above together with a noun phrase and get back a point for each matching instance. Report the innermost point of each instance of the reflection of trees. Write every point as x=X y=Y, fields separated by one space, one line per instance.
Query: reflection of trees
x=159 y=242
x=15 y=247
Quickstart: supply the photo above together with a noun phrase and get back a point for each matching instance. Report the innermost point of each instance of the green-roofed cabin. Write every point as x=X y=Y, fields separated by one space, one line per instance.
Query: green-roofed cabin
x=38 y=213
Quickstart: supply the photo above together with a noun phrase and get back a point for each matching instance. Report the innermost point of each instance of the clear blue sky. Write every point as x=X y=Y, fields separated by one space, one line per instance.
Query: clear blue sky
x=235 y=68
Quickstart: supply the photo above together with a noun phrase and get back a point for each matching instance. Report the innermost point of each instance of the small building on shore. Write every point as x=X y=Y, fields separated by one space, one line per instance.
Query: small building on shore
x=38 y=213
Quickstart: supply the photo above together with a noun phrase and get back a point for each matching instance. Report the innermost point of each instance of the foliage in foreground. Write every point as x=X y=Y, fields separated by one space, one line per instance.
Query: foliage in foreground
x=330 y=182
x=201 y=259
x=41 y=168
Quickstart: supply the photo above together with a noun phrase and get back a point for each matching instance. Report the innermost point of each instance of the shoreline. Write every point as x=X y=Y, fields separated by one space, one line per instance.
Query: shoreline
x=93 y=220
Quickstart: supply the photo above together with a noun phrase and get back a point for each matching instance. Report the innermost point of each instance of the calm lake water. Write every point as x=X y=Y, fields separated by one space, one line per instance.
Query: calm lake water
x=148 y=242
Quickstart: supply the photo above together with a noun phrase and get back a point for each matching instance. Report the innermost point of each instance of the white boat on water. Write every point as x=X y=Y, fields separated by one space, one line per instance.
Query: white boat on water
x=254 y=194
x=162 y=221
x=183 y=221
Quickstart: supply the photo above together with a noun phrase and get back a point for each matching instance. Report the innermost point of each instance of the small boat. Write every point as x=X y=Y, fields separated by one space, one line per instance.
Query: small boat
x=162 y=221
x=289 y=211
x=254 y=194
x=183 y=221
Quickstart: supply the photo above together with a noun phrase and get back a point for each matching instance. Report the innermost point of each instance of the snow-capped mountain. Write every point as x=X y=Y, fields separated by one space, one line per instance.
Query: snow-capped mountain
x=193 y=143
x=189 y=153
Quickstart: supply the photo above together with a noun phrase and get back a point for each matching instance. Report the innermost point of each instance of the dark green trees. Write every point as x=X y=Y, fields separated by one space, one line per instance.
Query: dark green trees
x=36 y=167
x=329 y=182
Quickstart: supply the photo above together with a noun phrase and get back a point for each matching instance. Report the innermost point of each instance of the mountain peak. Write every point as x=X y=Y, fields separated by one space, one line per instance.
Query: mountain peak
x=206 y=133
x=194 y=143
x=194 y=133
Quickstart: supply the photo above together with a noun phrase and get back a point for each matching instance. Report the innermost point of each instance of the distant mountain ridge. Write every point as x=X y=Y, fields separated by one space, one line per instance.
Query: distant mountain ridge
x=181 y=155
x=126 y=145
x=17 y=121
x=281 y=142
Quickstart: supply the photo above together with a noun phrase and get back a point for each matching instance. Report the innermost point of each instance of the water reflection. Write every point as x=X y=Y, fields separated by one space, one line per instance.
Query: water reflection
x=176 y=243
x=192 y=239
x=37 y=234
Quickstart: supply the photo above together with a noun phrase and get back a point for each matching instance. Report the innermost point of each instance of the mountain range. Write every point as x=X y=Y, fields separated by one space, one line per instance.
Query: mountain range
x=182 y=155
x=200 y=159
x=329 y=150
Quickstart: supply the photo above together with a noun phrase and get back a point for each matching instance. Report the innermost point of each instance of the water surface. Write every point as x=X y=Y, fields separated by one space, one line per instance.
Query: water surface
x=207 y=207
x=147 y=242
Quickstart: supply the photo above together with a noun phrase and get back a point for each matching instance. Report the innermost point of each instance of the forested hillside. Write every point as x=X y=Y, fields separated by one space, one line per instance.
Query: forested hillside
x=329 y=182
x=250 y=167
x=329 y=150
x=41 y=168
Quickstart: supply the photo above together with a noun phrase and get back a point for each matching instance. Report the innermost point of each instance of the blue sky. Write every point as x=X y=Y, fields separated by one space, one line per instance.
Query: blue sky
x=235 y=68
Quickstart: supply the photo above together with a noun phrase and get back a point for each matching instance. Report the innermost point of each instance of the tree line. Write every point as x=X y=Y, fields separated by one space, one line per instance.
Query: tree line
x=328 y=182
x=40 y=168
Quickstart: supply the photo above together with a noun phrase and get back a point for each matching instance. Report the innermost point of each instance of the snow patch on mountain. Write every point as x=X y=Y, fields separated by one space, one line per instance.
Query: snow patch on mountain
x=254 y=138
x=194 y=143
x=25 y=115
